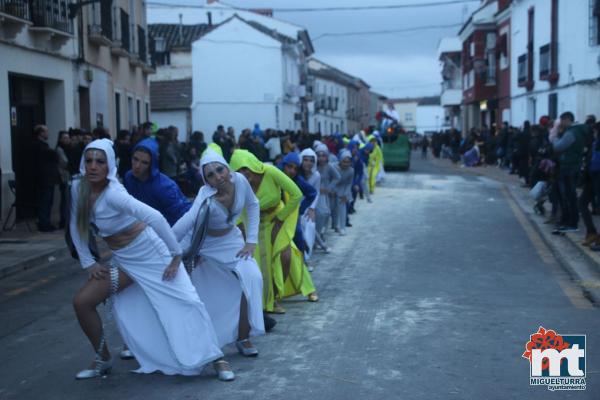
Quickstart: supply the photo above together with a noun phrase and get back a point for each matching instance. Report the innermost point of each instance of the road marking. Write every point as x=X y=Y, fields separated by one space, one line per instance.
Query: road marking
x=27 y=288
x=573 y=293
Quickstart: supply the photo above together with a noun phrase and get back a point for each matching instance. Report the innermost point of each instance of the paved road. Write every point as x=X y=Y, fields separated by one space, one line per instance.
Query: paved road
x=431 y=295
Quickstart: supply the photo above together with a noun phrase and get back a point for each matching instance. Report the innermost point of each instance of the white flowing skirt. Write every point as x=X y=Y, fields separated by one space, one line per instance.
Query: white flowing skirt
x=164 y=323
x=220 y=280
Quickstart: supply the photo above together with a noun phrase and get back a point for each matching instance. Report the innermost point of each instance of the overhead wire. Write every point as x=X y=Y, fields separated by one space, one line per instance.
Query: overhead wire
x=319 y=9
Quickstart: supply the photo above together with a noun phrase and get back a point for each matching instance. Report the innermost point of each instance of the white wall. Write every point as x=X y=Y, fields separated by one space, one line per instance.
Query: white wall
x=429 y=118
x=177 y=118
x=180 y=67
x=238 y=80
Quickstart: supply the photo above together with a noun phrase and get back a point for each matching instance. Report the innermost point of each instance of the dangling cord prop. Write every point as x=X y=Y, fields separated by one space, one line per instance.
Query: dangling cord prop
x=114 y=287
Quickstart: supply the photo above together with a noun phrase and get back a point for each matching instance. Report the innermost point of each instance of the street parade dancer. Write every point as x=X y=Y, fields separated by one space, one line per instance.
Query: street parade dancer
x=290 y=165
x=329 y=178
x=309 y=172
x=227 y=278
x=157 y=309
x=284 y=271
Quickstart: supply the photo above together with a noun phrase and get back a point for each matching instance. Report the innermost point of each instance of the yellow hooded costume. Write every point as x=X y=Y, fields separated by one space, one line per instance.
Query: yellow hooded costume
x=375 y=162
x=268 y=251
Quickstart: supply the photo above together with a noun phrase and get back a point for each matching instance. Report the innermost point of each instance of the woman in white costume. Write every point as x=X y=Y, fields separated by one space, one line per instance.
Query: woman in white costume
x=227 y=278
x=158 y=312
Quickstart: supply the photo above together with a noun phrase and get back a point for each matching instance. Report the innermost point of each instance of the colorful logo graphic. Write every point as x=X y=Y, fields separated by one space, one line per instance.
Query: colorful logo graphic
x=556 y=361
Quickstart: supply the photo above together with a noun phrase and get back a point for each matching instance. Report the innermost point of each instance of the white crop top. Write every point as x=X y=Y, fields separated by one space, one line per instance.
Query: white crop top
x=114 y=211
x=219 y=217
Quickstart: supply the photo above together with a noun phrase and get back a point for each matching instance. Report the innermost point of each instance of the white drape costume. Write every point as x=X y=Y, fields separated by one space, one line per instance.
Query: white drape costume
x=164 y=323
x=220 y=278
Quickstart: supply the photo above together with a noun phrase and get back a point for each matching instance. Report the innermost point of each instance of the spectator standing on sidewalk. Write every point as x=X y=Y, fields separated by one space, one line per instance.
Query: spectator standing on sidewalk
x=46 y=176
x=589 y=170
x=225 y=142
x=424 y=146
x=571 y=149
x=62 y=151
x=169 y=154
x=123 y=152
x=273 y=144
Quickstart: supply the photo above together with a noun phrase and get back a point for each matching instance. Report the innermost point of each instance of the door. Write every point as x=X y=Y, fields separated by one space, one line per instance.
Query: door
x=27 y=98
x=84 y=108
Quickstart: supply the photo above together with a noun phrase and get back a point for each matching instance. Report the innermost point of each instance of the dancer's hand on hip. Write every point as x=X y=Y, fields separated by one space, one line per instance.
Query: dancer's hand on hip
x=246 y=251
x=172 y=268
x=98 y=272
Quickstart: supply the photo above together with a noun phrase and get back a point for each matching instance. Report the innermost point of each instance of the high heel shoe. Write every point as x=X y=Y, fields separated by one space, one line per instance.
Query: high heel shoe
x=102 y=368
x=223 y=375
x=246 y=351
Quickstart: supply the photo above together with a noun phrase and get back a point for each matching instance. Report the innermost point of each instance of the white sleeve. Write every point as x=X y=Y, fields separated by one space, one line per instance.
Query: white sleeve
x=124 y=202
x=252 y=211
x=185 y=224
x=83 y=250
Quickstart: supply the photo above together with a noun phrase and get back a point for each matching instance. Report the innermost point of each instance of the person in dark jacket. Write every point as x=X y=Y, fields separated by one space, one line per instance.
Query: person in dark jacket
x=123 y=152
x=46 y=176
x=571 y=148
x=147 y=184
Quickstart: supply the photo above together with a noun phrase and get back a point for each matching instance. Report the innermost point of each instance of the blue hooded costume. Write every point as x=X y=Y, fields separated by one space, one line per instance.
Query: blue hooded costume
x=158 y=191
x=309 y=192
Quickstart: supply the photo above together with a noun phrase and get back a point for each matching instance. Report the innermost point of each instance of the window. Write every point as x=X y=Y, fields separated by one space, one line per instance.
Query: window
x=130 y=112
x=118 y=111
x=594 y=28
x=545 y=61
x=522 y=69
x=491 y=68
x=553 y=105
x=408 y=117
x=147 y=111
x=138 y=112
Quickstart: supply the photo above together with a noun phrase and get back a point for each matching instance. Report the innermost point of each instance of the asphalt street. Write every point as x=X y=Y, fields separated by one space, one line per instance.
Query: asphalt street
x=431 y=295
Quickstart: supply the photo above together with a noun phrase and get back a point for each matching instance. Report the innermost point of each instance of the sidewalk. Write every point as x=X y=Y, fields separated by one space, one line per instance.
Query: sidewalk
x=580 y=263
x=21 y=249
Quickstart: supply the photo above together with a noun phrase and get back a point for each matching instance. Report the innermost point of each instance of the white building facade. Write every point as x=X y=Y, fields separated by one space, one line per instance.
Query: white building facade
x=430 y=115
x=449 y=52
x=245 y=73
x=328 y=112
x=555 y=56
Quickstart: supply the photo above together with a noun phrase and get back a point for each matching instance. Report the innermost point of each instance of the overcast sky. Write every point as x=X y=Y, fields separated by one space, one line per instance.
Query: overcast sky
x=396 y=64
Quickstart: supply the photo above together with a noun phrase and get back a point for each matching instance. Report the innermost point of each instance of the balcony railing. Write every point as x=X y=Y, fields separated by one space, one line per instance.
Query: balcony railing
x=51 y=14
x=16 y=8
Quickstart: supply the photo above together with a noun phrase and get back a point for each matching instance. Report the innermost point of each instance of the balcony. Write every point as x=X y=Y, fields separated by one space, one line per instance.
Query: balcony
x=121 y=43
x=51 y=22
x=14 y=16
x=451 y=97
x=100 y=30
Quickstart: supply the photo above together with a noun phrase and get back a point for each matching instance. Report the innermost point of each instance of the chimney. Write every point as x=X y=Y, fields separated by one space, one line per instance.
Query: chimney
x=180 y=29
x=209 y=16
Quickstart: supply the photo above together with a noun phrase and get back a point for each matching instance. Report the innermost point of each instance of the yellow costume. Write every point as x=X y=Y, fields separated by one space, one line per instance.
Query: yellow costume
x=272 y=209
x=375 y=162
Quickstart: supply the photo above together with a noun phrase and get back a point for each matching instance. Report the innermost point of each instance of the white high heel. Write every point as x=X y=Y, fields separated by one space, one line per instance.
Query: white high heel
x=102 y=368
x=224 y=375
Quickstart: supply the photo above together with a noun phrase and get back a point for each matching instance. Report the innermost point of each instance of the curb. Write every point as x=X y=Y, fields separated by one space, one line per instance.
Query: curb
x=586 y=271
x=47 y=259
